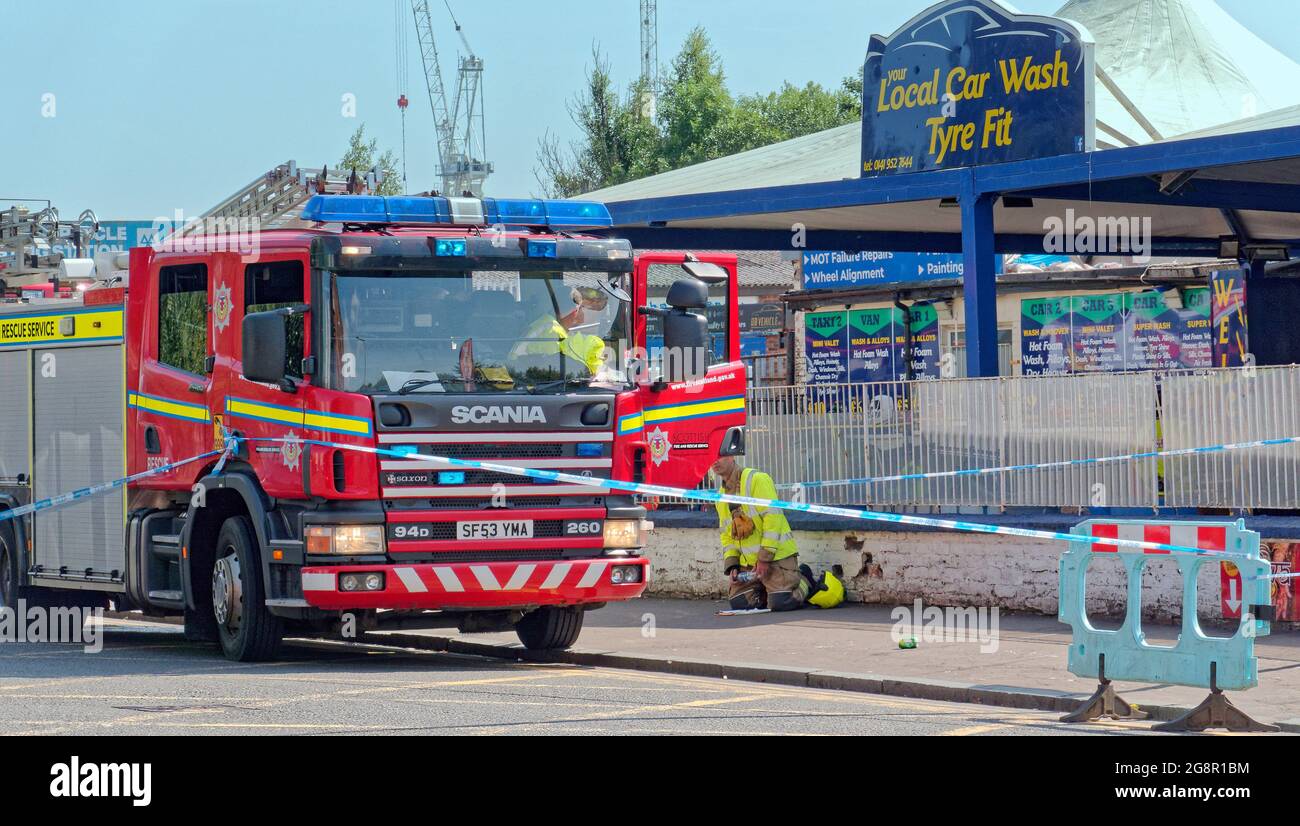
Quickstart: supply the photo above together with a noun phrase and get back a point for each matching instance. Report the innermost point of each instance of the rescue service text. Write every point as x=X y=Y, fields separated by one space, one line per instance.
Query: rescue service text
x=24 y=330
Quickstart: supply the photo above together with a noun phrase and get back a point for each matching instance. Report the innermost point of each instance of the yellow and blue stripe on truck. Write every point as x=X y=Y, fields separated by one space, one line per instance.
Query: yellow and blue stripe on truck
x=313 y=419
x=635 y=422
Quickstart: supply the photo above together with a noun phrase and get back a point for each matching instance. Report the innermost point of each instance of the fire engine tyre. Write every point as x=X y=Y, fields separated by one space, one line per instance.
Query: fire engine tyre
x=248 y=632
x=8 y=569
x=550 y=628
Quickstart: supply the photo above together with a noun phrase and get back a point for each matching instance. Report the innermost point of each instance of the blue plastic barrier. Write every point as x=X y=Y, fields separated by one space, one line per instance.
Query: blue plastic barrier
x=1195 y=659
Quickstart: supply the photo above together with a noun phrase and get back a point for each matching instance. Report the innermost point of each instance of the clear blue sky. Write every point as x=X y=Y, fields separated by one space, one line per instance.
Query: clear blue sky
x=173 y=105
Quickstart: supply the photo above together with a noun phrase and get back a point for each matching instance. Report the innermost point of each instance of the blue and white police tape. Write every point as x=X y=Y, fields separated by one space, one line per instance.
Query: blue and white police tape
x=986 y=471
x=105 y=487
x=411 y=454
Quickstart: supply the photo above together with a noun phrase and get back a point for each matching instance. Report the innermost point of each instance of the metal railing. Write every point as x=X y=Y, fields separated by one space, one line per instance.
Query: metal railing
x=815 y=433
x=1207 y=407
x=803 y=434
x=768 y=368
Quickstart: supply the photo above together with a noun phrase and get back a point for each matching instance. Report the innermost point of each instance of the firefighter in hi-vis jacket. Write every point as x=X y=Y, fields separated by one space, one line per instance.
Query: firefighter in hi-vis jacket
x=758 y=551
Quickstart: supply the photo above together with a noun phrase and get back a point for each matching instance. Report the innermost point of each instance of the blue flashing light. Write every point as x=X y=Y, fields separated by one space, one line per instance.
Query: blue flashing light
x=577 y=214
x=546 y=213
x=405 y=209
x=449 y=246
x=352 y=209
x=541 y=248
x=451 y=477
x=409 y=209
x=528 y=213
x=590 y=449
x=377 y=209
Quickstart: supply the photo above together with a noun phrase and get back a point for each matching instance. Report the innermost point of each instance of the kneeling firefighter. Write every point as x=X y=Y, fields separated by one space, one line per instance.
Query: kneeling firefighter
x=758 y=550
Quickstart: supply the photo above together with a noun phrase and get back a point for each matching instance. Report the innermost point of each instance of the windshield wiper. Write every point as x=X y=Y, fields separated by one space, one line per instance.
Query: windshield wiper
x=411 y=385
x=569 y=381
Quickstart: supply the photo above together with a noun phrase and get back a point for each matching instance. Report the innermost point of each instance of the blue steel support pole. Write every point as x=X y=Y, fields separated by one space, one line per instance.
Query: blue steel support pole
x=979 y=285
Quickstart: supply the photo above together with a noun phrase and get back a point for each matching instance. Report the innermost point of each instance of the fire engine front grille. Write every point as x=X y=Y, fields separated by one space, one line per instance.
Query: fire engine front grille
x=524 y=450
x=484 y=503
x=491 y=477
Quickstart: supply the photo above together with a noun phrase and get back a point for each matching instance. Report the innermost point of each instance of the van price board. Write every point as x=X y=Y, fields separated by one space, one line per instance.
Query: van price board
x=970 y=82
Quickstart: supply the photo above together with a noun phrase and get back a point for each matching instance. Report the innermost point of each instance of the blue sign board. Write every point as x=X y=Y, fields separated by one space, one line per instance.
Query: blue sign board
x=836 y=270
x=119 y=236
x=971 y=82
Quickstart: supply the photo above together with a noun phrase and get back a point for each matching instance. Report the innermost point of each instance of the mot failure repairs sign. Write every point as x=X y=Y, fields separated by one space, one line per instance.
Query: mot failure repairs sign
x=971 y=82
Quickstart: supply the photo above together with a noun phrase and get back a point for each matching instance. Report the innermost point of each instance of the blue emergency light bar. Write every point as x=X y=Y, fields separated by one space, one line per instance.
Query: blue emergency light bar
x=437 y=211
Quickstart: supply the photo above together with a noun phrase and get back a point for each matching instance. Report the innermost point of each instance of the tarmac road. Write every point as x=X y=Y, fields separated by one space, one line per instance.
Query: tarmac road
x=149 y=680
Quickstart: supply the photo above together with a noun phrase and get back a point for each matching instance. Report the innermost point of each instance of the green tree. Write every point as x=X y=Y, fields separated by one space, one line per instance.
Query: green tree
x=697 y=119
x=364 y=156
x=790 y=113
x=695 y=109
x=619 y=141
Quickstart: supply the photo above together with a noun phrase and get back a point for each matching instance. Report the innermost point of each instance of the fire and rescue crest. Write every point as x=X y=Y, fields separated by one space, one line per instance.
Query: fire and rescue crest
x=291 y=450
x=222 y=307
x=657 y=441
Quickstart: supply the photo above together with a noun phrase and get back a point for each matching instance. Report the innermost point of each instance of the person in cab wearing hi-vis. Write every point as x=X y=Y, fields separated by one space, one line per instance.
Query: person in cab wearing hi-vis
x=759 y=555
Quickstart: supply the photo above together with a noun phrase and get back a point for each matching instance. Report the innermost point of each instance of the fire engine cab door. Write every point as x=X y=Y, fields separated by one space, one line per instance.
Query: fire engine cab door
x=684 y=424
x=173 y=405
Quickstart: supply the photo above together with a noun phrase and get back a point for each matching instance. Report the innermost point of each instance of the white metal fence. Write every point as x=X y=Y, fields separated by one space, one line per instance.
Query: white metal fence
x=815 y=433
x=1228 y=407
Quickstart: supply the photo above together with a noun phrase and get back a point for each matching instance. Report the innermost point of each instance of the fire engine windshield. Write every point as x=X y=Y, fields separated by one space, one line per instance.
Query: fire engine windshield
x=490 y=331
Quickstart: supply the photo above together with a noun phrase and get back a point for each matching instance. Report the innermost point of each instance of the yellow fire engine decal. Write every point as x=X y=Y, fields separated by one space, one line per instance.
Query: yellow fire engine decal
x=636 y=422
x=169 y=408
x=694 y=410
x=52 y=328
x=311 y=419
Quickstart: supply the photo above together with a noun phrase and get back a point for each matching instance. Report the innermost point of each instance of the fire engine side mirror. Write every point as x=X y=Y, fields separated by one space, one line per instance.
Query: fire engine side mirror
x=706 y=272
x=264 y=347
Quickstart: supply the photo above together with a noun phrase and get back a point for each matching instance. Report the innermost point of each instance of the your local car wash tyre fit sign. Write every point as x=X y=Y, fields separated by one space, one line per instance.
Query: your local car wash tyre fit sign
x=972 y=82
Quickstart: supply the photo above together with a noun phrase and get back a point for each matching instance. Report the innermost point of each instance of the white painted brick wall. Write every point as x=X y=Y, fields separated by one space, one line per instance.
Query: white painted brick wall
x=939 y=568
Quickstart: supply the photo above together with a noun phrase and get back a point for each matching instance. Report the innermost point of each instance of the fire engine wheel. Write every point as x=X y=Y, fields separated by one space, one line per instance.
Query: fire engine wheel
x=550 y=628
x=8 y=571
x=246 y=629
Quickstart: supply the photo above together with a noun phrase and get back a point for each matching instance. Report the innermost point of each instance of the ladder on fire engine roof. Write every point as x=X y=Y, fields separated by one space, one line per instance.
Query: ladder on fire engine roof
x=275 y=198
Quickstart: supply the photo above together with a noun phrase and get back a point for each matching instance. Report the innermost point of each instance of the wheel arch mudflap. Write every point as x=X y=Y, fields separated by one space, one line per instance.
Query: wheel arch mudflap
x=256 y=504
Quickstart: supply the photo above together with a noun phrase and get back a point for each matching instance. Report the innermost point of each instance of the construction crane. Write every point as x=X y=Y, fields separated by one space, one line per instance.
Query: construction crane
x=460 y=127
x=649 y=56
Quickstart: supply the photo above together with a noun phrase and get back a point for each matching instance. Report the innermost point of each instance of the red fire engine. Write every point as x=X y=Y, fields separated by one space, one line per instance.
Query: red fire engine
x=467 y=328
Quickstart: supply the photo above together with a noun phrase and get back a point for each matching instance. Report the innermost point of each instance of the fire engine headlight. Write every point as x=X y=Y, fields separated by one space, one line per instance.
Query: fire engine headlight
x=345 y=540
x=623 y=533
x=625 y=574
x=361 y=582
